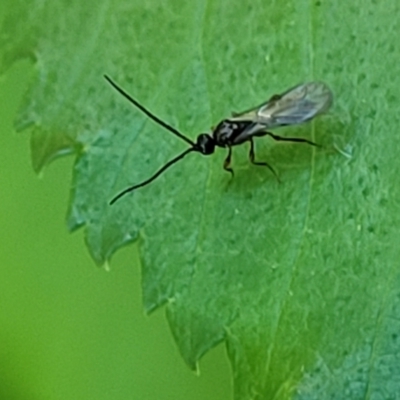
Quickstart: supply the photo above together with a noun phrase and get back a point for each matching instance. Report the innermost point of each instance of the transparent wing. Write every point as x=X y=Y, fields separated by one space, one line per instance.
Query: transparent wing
x=296 y=105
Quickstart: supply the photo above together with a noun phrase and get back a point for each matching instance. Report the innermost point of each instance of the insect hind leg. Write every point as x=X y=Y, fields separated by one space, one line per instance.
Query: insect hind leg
x=287 y=139
x=261 y=163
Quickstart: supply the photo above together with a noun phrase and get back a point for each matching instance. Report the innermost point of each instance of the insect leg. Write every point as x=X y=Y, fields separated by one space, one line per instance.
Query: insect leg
x=286 y=139
x=227 y=162
x=263 y=163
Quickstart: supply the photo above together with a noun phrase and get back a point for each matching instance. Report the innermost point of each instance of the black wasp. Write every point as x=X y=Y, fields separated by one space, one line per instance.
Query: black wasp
x=298 y=104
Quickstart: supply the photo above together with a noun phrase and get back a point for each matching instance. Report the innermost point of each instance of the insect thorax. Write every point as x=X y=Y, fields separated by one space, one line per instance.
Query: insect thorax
x=227 y=132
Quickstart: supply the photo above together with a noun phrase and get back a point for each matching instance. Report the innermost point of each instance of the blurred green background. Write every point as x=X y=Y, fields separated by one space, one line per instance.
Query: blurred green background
x=70 y=330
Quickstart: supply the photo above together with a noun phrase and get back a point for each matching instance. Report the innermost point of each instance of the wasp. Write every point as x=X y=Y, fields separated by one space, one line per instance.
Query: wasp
x=299 y=104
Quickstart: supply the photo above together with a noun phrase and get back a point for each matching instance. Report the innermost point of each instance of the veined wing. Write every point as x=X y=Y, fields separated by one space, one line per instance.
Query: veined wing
x=297 y=105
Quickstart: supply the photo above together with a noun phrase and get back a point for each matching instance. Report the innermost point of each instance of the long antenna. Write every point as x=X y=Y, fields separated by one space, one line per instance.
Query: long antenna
x=148 y=113
x=151 y=179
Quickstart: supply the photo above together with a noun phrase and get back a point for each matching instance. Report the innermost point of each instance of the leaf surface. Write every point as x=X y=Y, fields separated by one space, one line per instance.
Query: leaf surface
x=300 y=279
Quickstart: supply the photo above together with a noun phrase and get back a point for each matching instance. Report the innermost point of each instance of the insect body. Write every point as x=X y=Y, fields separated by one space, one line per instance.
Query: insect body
x=298 y=104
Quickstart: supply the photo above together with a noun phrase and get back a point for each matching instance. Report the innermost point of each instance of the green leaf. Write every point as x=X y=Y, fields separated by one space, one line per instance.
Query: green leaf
x=300 y=280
